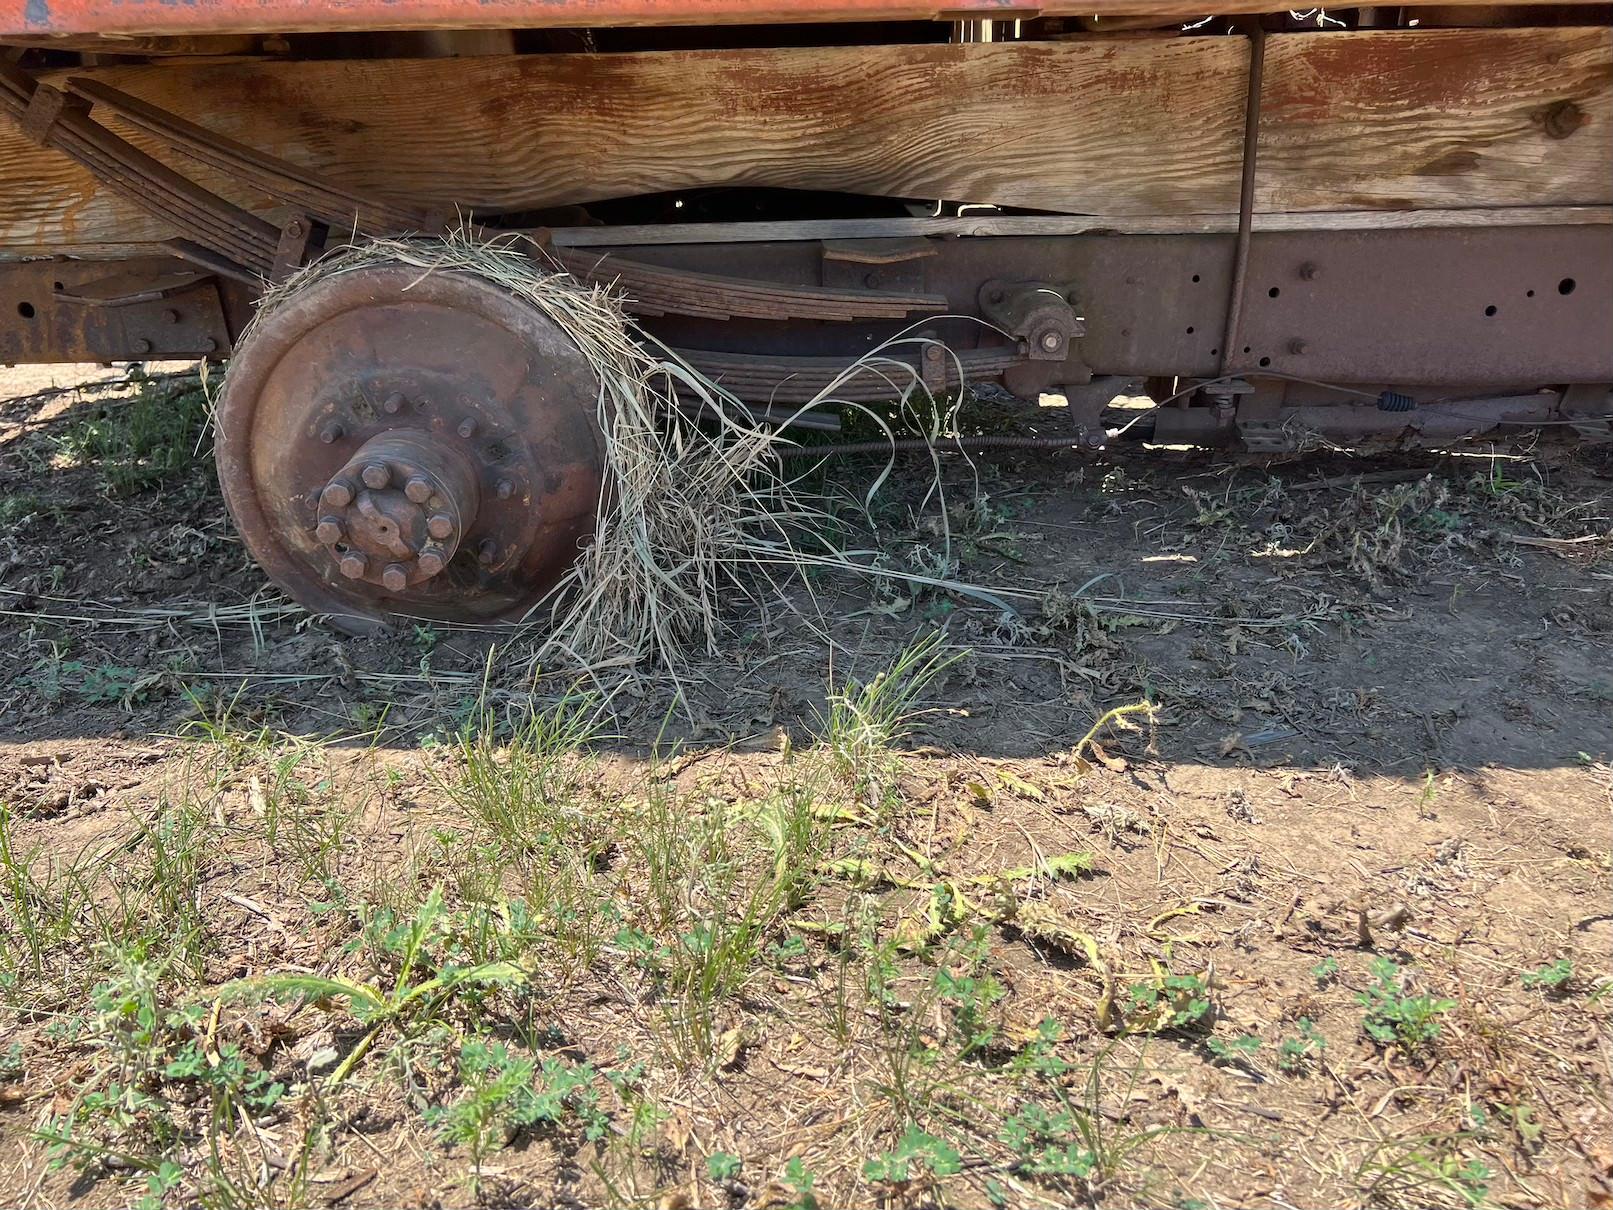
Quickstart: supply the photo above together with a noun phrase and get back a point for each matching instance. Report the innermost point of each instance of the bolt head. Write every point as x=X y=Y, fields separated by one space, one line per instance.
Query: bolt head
x=1309 y=272
x=431 y=561
x=392 y=404
x=354 y=565
x=329 y=530
x=142 y=345
x=486 y=552
x=1051 y=342
x=337 y=494
x=467 y=428
x=376 y=475
x=1297 y=347
x=395 y=578
x=440 y=526
x=418 y=489
x=505 y=489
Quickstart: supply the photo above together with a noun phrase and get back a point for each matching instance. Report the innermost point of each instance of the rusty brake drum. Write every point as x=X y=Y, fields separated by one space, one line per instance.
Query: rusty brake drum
x=399 y=444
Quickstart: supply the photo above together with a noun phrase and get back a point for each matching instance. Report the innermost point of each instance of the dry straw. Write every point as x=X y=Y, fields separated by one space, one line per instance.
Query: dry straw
x=698 y=509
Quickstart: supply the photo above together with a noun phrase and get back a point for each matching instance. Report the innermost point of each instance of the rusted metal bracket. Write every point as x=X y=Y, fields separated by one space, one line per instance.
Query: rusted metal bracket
x=45 y=109
x=291 y=252
x=1246 y=193
x=1037 y=314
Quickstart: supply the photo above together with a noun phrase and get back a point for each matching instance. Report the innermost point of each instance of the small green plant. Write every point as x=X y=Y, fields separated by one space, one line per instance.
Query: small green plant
x=1414 y=1171
x=1169 y=1002
x=1555 y=976
x=722 y=1167
x=1295 y=1055
x=971 y=998
x=504 y=1093
x=1234 y=1050
x=414 y=994
x=1047 y=1143
x=1325 y=971
x=915 y=1152
x=799 y=1179
x=1395 y=1018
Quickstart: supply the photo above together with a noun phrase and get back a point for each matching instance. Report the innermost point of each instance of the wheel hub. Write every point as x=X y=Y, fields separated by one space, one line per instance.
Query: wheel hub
x=397 y=444
x=395 y=513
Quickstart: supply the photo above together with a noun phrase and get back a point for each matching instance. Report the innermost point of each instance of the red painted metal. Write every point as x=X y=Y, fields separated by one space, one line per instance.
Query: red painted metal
x=20 y=18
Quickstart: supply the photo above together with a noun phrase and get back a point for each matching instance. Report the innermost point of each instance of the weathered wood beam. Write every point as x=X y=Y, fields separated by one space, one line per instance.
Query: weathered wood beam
x=1398 y=119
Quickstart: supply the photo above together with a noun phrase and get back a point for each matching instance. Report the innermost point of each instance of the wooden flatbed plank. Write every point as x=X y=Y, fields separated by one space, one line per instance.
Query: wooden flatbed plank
x=1401 y=119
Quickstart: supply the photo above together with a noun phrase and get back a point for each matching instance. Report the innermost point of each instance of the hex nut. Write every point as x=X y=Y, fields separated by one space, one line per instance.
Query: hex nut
x=354 y=565
x=329 y=530
x=395 y=578
x=431 y=561
x=338 y=493
x=418 y=489
x=440 y=526
x=376 y=475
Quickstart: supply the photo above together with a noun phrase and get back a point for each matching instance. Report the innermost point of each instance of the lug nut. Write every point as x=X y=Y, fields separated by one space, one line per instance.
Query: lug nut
x=331 y=432
x=395 y=578
x=392 y=404
x=430 y=561
x=329 y=530
x=376 y=475
x=486 y=551
x=418 y=489
x=440 y=526
x=337 y=494
x=354 y=565
x=467 y=427
x=505 y=489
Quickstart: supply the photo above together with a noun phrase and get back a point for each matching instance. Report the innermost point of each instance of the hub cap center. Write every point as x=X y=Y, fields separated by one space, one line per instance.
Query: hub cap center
x=395 y=514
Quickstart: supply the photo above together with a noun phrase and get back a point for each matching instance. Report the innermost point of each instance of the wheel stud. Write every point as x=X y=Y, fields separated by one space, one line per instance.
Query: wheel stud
x=505 y=489
x=467 y=428
x=329 y=530
x=392 y=404
x=395 y=578
x=430 y=561
x=376 y=475
x=337 y=494
x=354 y=565
x=486 y=552
x=418 y=489
x=331 y=433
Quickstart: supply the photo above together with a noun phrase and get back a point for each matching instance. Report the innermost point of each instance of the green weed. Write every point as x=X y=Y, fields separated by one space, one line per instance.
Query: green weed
x=1555 y=976
x=1394 y=1018
x=414 y=996
x=151 y=440
x=916 y=1152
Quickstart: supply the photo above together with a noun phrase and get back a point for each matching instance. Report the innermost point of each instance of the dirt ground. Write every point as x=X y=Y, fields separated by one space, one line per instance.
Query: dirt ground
x=1259 y=856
